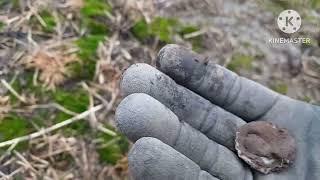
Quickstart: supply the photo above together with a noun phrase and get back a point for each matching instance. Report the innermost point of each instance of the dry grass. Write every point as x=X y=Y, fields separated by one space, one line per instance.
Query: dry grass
x=50 y=57
x=46 y=48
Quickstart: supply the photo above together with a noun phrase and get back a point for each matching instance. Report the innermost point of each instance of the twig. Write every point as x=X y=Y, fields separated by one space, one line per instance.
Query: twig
x=38 y=159
x=9 y=162
x=194 y=34
x=95 y=94
x=14 y=92
x=8 y=151
x=24 y=162
x=31 y=41
x=109 y=143
x=93 y=119
x=7 y=177
x=63 y=109
x=45 y=106
x=52 y=128
x=101 y=128
x=35 y=77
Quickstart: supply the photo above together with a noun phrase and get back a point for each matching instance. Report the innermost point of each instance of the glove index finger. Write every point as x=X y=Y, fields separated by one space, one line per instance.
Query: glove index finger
x=151 y=159
x=241 y=96
x=140 y=115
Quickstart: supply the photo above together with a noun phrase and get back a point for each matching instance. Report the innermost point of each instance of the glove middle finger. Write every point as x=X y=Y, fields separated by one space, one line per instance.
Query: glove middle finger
x=213 y=121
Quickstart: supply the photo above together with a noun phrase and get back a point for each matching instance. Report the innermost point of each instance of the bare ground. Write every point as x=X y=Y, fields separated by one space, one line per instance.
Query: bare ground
x=230 y=31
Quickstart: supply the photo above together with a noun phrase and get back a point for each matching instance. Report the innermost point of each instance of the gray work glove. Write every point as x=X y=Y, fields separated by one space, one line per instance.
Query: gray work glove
x=183 y=120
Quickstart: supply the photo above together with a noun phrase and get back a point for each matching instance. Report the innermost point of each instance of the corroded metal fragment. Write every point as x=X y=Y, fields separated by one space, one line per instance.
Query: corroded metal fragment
x=265 y=147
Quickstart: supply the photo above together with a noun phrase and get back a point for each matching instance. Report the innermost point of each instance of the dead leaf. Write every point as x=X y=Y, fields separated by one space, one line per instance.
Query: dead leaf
x=53 y=67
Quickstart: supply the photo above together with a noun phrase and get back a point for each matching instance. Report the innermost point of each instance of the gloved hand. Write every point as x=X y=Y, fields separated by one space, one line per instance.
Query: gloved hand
x=183 y=120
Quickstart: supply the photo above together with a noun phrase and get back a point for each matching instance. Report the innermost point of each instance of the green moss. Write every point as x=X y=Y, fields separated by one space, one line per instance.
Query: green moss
x=13 y=126
x=49 y=20
x=88 y=54
x=165 y=29
x=96 y=27
x=78 y=128
x=246 y=44
x=16 y=4
x=115 y=148
x=19 y=176
x=306 y=99
x=24 y=85
x=2 y=25
x=41 y=117
x=76 y=100
x=47 y=17
x=280 y=87
x=141 y=30
x=315 y=4
x=276 y=6
x=240 y=61
x=161 y=28
x=187 y=30
x=195 y=41
x=94 y=8
x=93 y=16
x=83 y=70
x=3 y=3
x=88 y=46
x=285 y=4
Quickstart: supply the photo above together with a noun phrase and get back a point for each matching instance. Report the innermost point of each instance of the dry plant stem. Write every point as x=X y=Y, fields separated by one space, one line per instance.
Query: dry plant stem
x=38 y=159
x=31 y=41
x=96 y=95
x=44 y=106
x=93 y=119
x=14 y=92
x=24 y=162
x=8 y=151
x=10 y=161
x=194 y=34
x=52 y=128
x=10 y=176
x=111 y=142
x=63 y=109
x=35 y=77
x=105 y=130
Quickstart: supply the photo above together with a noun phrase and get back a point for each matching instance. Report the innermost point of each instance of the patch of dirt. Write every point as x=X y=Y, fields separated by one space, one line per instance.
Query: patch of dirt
x=245 y=27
